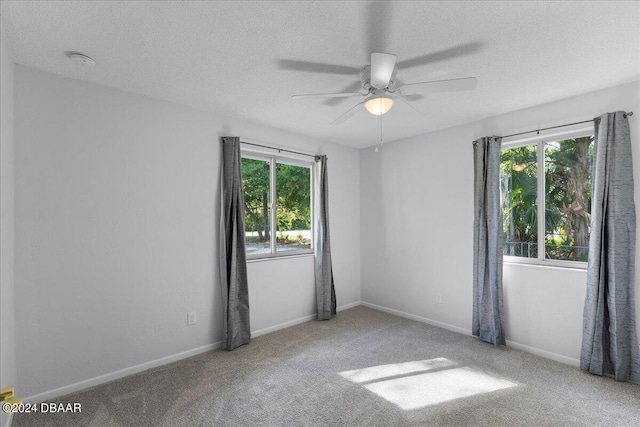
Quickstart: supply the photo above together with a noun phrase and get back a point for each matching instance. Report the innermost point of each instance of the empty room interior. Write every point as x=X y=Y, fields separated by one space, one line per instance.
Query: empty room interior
x=319 y=213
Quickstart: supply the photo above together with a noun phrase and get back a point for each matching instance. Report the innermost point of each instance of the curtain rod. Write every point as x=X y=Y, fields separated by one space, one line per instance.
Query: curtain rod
x=279 y=149
x=630 y=113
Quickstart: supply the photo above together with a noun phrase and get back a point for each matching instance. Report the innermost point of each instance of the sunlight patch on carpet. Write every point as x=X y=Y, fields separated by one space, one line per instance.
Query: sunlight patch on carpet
x=414 y=385
x=385 y=371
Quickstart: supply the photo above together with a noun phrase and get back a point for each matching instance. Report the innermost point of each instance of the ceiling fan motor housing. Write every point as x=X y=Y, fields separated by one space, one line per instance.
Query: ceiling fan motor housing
x=365 y=79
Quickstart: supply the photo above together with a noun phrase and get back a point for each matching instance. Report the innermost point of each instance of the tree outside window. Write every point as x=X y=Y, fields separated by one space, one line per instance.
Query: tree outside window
x=283 y=226
x=560 y=225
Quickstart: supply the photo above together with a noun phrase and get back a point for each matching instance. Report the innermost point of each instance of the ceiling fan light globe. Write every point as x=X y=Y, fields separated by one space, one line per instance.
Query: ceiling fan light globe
x=379 y=106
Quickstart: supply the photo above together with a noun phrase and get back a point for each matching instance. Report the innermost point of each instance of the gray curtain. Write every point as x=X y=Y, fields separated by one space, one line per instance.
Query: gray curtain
x=236 y=330
x=488 y=318
x=325 y=290
x=609 y=341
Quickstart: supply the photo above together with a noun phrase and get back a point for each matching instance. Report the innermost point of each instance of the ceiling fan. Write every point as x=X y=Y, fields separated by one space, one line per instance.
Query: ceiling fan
x=377 y=81
x=380 y=88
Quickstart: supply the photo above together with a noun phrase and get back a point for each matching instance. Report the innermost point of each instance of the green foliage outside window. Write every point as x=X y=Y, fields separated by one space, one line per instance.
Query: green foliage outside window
x=567 y=177
x=293 y=206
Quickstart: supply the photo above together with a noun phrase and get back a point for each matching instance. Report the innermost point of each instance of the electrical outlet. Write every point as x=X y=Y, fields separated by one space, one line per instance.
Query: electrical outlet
x=191 y=318
x=439 y=298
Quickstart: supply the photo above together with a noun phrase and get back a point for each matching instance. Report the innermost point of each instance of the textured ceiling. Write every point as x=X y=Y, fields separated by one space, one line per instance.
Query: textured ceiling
x=230 y=57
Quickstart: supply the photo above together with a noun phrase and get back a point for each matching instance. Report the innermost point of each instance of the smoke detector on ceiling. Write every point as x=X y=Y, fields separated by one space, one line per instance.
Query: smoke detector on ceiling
x=81 y=59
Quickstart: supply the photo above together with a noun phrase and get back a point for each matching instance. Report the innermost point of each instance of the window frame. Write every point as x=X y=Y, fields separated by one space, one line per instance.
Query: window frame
x=539 y=141
x=274 y=159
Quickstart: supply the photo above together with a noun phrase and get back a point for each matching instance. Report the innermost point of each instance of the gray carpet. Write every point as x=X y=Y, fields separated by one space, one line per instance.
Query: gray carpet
x=292 y=378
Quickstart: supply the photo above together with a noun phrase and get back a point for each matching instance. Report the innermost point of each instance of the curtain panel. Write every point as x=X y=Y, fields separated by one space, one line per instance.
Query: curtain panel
x=609 y=342
x=488 y=316
x=236 y=329
x=325 y=289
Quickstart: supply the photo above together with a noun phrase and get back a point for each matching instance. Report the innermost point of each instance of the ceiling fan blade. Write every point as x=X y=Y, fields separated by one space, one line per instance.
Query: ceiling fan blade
x=452 y=52
x=401 y=98
x=328 y=95
x=339 y=100
x=382 y=66
x=316 y=67
x=413 y=97
x=450 y=85
x=349 y=113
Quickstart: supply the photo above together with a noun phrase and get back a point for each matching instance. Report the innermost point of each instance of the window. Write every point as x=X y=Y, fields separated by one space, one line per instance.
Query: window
x=546 y=200
x=278 y=200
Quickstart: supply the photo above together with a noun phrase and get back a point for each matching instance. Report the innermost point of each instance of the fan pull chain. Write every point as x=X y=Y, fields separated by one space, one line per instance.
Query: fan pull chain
x=380 y=128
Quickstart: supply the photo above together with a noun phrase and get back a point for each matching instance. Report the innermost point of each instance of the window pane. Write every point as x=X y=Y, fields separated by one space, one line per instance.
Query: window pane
x=257 y=199
x=293 y=207
x=519 y=180
x=567 y=169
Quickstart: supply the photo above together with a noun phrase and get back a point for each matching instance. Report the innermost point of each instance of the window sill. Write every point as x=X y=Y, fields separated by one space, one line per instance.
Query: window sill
x=570 y=265
x=274 y=257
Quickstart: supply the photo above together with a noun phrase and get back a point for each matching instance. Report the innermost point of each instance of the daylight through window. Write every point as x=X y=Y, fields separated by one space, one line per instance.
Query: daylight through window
x=278 y=200
x=546 y=199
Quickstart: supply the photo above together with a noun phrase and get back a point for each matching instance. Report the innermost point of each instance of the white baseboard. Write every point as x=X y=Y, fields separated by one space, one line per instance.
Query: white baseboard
x=298 y=321
x=418 y=318
x=71 y=388
x=101 y=379
x=517 y=346
x=544 y=353
x=277 y=327
x=348 y=306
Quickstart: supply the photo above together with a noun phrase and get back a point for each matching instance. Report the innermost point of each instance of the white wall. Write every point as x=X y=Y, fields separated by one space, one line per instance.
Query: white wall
x=417 y=222
x=7 y=342
x=116 y=225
